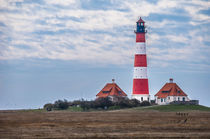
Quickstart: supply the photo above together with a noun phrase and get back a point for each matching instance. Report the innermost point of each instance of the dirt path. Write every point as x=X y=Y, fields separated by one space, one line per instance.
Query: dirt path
x=117 y=124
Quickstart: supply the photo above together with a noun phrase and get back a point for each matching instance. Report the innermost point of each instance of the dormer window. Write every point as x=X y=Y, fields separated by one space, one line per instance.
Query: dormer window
x=165 y=91
x=106 y=92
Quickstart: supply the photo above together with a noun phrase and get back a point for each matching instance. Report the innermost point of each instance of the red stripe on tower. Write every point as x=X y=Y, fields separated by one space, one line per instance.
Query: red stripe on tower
x=140 y=80
x=140 y=60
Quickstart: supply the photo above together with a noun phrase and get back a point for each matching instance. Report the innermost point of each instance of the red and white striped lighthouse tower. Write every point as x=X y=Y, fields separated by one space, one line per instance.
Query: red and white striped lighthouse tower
x=140 y=80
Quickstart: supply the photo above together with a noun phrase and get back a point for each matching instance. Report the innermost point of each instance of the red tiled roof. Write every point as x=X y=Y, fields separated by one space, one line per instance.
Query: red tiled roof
x=170 y=89
x=140 y=20
x=111 y=89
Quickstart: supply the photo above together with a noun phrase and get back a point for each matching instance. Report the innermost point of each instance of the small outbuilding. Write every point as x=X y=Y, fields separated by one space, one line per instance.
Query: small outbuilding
x=170 y=92
x=111 y=90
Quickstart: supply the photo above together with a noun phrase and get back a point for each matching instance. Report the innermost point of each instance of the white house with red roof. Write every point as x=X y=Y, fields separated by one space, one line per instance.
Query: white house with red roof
x=111 y=90
x=170 y=92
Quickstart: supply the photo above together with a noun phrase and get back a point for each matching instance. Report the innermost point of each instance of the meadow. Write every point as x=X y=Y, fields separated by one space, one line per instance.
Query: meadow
x=153 y=122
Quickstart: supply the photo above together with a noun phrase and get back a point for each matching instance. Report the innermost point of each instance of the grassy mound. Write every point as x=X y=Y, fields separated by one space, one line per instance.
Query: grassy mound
x=160 y=108
x=176 y=108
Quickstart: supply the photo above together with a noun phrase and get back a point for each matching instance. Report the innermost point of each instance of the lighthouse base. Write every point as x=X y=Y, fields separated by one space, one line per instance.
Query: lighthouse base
x=141 y=97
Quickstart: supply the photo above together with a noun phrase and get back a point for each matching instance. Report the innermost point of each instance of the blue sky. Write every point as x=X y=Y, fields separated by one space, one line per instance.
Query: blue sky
x=69 y=49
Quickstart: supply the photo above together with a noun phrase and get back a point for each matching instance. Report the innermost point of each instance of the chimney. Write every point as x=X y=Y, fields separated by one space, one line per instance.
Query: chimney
x=113 y=80
x=171 y=80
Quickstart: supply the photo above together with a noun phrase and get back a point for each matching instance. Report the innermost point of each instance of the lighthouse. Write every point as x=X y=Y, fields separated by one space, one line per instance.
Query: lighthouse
x=140 y=79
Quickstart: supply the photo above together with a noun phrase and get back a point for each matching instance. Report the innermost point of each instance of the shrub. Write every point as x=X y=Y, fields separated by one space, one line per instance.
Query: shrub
x=85 y=105
x=102 y=103
x=122 y=102
x=48 y=106
x=61 y=104
x=76 y=103
x=145 y=103
x=135 y=103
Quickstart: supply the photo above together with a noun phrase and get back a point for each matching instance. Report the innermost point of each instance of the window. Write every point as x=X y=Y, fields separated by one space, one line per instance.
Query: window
x=106 y=92
x=161 y=100
x=142 y=24
x=141 y=98
x=178 y=98
x=183 y=99
x=165 y=91
x=179 y=91
x=168 y=98
x=119 y=92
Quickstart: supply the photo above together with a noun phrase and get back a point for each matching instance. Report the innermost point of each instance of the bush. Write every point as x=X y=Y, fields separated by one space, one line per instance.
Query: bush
x=102 y=103
x=145 y=103
x=85 y=105
x=122 y=102
x=135 y=103
x=76 y=103
x=48 y=106
x=61 y=104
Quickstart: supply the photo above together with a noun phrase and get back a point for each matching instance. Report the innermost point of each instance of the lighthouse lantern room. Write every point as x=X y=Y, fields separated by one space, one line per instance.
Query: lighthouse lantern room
x=140 y=80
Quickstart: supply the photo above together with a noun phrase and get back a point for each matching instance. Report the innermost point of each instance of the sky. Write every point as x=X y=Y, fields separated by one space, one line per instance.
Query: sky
x=69 y=49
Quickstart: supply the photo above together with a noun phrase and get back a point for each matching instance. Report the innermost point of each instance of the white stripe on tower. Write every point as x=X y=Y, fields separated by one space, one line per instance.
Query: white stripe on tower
x=140 y=73
x=140 y=48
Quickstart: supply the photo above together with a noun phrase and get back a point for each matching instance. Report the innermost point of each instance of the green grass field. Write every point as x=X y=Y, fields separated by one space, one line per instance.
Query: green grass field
x=160 y=108
x=174 y=108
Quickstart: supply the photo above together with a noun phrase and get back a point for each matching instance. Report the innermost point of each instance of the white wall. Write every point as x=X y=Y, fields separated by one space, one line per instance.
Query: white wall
x=140 y=96
x=169 y=99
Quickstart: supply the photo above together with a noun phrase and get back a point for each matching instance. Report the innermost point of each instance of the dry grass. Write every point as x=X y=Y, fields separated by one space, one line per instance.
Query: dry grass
x=114 y=124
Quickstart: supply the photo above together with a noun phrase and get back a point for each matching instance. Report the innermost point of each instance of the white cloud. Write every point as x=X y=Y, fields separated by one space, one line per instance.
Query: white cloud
x=62 y=2
x=194 y=12
x=114 y=46
x=178 y=38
